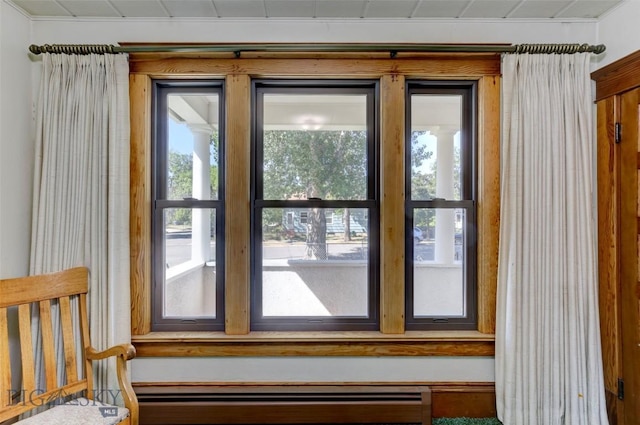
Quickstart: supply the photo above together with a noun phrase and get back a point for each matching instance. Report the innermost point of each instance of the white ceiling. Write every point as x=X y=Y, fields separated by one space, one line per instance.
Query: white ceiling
x=319 y=9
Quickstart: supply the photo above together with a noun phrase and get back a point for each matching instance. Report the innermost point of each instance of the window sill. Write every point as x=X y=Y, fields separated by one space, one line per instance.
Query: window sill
x=412 y=343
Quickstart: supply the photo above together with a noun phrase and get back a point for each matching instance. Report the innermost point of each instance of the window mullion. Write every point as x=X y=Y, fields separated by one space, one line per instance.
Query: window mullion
x=392 y=218
x=238 y=211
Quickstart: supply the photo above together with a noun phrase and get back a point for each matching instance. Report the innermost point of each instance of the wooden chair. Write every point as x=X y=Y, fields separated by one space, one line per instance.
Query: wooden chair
x=73 y=401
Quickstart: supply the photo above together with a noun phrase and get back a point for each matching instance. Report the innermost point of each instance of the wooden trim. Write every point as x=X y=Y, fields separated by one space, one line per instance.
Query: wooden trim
x=275 y=387
x=471 y=400
x=392 y=242
x=238 y=72
x=608 y=233
x=311 y=336
x=488 y=201
x=302 y=54
x=140 y=203
x=618 y=77
x=296 y=348
x=450 y=66
x=459 y=343
x=237 y=204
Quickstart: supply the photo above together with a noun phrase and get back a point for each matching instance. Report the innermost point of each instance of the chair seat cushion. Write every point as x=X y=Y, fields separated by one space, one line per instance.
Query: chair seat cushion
x=80 y=411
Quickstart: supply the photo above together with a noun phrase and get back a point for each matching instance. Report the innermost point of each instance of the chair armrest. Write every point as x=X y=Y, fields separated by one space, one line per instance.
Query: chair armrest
x=122 y=353
x=127 y=351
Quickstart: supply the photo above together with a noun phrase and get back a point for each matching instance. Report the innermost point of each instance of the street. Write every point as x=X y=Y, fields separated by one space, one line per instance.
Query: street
x=179 y=251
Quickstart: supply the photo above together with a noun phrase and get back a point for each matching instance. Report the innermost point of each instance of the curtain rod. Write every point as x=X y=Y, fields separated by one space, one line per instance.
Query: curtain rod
x=237 y=49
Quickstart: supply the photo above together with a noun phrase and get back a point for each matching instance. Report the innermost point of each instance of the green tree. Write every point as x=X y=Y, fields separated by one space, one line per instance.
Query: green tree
x=214 y=152
x=315 y=164
x=179 y=186
x=423 y=181
x=180 y=180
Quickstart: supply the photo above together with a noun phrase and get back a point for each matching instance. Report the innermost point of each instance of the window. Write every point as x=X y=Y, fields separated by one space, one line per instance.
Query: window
x=329 y=220
x=441 y=193
x=315 y=150
x=304 y=217
x=259 y=231
x=188 y=210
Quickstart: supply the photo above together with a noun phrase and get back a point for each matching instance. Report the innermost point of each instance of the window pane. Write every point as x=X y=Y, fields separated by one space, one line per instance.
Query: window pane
x=438 y=266
x=435 y=147
x=190 y=274
x=314 y=146
x=193 y=149
x=317 y=268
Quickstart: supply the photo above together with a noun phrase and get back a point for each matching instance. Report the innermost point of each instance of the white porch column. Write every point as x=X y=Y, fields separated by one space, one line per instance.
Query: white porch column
x=445 y=218
x=201 y=221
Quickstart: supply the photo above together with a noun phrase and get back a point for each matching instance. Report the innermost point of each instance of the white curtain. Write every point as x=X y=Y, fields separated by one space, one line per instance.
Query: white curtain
x=548 y=354
x=81 y=188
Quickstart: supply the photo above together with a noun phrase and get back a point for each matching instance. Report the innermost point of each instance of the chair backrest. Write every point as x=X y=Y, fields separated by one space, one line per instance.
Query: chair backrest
x=54 y=298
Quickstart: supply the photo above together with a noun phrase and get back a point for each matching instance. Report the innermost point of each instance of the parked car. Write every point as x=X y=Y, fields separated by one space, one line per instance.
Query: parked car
x=417 y=235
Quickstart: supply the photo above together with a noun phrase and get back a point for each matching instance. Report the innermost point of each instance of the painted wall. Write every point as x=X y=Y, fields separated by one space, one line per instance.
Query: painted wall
x=314 y=369
x=16 y=143
x=294 y=369
x=16 y=157
x=281 y=30
x=620 y=32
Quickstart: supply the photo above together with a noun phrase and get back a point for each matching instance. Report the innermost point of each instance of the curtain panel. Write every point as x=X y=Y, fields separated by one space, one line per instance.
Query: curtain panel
x=81 y=189
x=548 y=354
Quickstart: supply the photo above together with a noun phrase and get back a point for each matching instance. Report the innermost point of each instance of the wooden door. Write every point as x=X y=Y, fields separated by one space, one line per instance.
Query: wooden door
x=618 y=157
x=629 y=262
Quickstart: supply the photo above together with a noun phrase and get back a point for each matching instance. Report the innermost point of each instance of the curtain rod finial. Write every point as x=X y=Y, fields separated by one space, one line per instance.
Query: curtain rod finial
x=36 y=50
x=600 y=48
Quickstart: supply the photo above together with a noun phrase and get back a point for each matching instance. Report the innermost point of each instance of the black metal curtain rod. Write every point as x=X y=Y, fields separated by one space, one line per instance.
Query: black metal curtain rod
x=237 y=49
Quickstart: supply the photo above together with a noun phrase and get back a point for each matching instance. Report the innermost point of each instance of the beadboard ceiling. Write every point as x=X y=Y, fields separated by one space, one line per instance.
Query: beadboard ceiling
x=319 y=9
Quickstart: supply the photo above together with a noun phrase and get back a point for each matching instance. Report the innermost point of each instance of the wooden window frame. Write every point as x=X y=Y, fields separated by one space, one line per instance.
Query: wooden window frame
x=392 y=339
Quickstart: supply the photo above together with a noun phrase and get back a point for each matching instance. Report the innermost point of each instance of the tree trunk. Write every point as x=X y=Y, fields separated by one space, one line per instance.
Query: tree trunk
x=317 y=223
x=317 y=234
x=346 y=217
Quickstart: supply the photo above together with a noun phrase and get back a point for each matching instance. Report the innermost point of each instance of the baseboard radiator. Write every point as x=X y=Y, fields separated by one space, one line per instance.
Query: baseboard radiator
x=285 y=404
